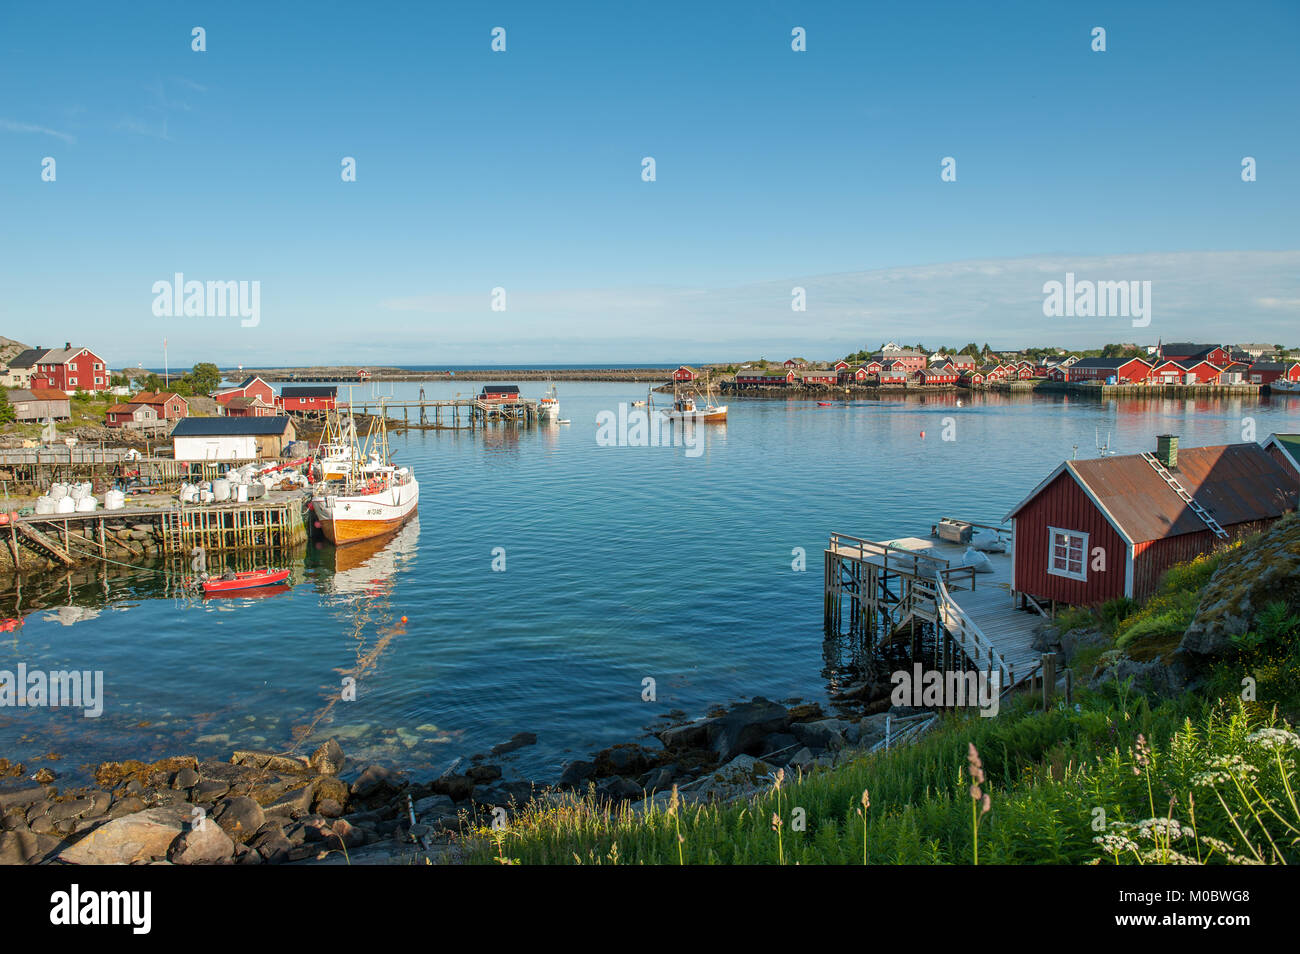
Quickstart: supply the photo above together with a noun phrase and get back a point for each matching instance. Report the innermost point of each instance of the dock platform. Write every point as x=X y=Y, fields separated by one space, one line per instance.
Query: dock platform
x=883 y=588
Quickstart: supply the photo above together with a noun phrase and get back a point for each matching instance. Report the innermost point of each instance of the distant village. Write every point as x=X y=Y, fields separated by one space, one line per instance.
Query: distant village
x=894 y=365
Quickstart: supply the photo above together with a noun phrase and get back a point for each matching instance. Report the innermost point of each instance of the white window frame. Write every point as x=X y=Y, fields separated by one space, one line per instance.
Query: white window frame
x=1052 y=569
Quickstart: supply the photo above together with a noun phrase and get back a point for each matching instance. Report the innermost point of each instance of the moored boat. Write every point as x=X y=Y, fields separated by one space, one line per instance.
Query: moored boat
x=691 y=407
x=246 y=580
x=375 y=499
x=548 y=408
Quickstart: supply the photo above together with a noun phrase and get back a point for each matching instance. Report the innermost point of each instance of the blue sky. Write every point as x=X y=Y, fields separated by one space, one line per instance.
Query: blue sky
x=523 y=170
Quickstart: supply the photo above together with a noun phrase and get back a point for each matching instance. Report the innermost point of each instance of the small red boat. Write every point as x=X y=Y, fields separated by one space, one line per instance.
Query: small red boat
x=823 y=403
x=249 y=579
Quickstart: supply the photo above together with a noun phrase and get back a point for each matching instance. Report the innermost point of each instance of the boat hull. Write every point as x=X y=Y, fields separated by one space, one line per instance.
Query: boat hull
x=716 y=415
x=244 y=581
x=351 y=519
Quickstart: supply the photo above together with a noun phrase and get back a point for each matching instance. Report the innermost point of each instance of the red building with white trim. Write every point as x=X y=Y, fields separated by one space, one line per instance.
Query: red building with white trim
x=71 y=369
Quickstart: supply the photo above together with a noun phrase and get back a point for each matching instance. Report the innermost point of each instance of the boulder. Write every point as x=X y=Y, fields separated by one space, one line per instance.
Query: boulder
x=240 y=817
x=741 y=776
x=628 y=759
x=374 y=780
x=26 y=847
x=142 y=836
x=456 y=787
x=688 y=735
x=205 y=844
x=742 y=729
x=823 y=734
x=1046 y=639
x=576 y=773
x=517 y=741
x=618 y=788
x=328 y=759
x=480 y=774
x=1074 y=640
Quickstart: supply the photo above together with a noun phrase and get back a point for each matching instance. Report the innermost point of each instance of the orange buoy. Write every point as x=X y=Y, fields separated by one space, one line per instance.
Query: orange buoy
x=403 y=620
x=923 y=435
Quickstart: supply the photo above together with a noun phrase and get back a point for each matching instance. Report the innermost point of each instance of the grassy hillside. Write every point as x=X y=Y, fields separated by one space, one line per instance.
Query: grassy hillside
x=1207 y=774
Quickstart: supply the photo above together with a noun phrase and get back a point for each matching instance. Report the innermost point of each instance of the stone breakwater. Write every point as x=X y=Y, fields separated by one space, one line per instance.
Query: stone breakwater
x=267 y=808
x=503 y=375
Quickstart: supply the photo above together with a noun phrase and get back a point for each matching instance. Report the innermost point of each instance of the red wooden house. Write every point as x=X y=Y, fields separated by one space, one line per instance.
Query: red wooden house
x=166 y=404
x=130 y=415
x=499 y=394
x=972 y=379
x=252 y=387
x=1203 y=372
x=841 y=366
x=248 y=407
x=70 y=369
x=854 y=375
x=759 y=378
x=943 y=374
x=685 y=373
x=1095 y=530
x=1285 y=449
x=963 y=362
x=1266 y=372
x=1124 y=370
x=306 y=399
x=821 y=376
x=1167 y=372
x=1187 y=354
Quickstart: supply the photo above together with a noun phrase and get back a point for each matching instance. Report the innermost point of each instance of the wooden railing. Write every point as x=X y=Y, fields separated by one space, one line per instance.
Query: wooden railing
x=969 y=637
x=898 y=559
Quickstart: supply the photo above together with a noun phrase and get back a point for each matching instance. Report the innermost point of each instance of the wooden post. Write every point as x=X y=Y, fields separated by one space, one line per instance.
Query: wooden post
x=1049 y=679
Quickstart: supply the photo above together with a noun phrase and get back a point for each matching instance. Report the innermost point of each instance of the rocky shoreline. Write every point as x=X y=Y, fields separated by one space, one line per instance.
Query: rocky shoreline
x=263 y=807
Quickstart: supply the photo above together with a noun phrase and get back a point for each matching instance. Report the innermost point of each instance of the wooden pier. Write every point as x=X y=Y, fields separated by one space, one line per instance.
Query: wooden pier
x=458 y=413
x=40 y=467
x=274 y=523
x=918 y=590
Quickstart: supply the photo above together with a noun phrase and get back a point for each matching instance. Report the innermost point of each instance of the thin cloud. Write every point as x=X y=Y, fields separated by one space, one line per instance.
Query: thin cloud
x=10 y=126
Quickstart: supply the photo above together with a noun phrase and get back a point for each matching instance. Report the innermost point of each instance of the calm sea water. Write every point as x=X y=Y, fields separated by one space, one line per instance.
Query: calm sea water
x=621 y=564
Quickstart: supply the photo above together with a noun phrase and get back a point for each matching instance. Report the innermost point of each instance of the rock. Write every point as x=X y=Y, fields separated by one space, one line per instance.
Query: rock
x=802 y=759
x=1246 y=581
x=742 y=775
x=328 y=759
x=576 y=773
x=185 y=778
x=744 y=727
x=618 y=788
x=689 y=735
x=22 y=797
x=627 y=759
x=1075 y=640
x=26 y=847
x=272 y=845
x=456 y=787
x=329 y=808
x=205 y=844
x=373 y=781
x=293 y=803
x=240 y=817
x=1046 y=639
x=504 y=794
x=345 y=833
x=73 y=808
x=435 y=805
x=659 y=779
x=330 y=788
x=824 y=734
x=271 y=761
x=209 y=790
x=143 y=836
x=483 y=773
x=127 y=806
x=517 y=741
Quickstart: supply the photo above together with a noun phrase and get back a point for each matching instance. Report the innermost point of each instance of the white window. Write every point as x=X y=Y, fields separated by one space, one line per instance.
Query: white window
x=1067 y=552
x=72 y=382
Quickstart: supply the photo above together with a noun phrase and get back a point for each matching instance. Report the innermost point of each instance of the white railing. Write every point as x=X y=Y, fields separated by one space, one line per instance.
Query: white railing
x=970 y=637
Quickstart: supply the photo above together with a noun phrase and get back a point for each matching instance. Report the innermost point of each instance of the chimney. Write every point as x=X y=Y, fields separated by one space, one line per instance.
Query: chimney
x=1167 y=450
x=67 y=346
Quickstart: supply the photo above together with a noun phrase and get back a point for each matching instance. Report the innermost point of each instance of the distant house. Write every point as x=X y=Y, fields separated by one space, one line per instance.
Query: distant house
x=306 y=399
x=905 y=359
x=17 y=372
x=943 y=374
x=248 y=407
x=754 y=378
x=499 y=394
x=39 y=404
x=1124 y=370
x=1095 y=530
x=1285 y=449
x=1189 y=353
x=167 y=405
x=964 y=362
x=71 y=369
x=795 y=363
x=131 y=415
x=819 y=376
x=231 y=438
x=1167 y=372
x=1266 y=372
x=252 y=387
x=853 y=375
x=972 y=378
x=685 y=373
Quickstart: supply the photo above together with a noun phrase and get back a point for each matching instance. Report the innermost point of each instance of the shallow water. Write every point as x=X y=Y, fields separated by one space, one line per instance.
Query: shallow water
x=621 y=564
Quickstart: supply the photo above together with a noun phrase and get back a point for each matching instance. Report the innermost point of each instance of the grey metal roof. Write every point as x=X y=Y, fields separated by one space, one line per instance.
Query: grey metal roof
x=230 y=426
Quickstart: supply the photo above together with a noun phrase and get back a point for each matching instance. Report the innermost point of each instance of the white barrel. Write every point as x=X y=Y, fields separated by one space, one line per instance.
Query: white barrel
x=241 y=493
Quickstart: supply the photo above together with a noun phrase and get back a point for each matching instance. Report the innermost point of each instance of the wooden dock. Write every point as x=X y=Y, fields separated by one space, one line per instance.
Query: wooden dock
x=451 y=414
x=42 y=466
x=918 y=588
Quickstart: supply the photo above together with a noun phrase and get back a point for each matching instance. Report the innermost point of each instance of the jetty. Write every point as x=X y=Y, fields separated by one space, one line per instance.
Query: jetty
x=272 y=523
x=918 y=590
x=457 y=413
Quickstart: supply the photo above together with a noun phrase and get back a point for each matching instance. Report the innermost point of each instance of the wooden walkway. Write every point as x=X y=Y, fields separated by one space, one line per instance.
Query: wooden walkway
x=911 y=578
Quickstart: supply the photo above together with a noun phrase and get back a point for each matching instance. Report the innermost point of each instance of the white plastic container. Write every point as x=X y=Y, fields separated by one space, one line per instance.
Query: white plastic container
x=87 y=504
x=114 y=500
x=65 y=505
x=241 y=493
x=44 y=505
x=220 y=490
x=58 y=491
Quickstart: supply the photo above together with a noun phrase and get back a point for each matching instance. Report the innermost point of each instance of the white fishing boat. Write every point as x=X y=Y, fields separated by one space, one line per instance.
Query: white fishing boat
x=334 y=452
x=548 y=408
x=375 y=499
x=695 y=407
x=1282 y=385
